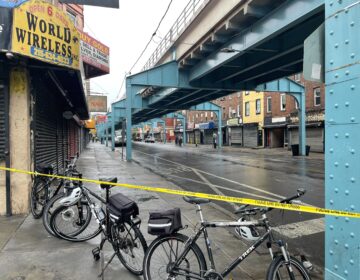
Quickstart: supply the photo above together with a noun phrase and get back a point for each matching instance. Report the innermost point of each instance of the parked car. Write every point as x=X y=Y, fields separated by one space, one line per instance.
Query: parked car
x=119 y=141
x=138 y=138
x=150 y=139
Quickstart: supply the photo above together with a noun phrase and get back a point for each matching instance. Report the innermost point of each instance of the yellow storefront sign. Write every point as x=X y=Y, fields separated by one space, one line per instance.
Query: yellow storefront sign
x=42 y=31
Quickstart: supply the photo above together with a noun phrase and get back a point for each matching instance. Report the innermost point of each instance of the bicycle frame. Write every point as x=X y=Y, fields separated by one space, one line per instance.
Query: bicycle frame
x=203 y=230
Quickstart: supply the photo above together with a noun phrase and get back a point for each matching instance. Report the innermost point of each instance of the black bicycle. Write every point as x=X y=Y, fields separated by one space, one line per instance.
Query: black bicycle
x=176 y=256
x=44 y=187
x=119 y=223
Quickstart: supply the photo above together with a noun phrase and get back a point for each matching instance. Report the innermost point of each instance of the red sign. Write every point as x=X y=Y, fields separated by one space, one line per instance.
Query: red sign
x=95 y=53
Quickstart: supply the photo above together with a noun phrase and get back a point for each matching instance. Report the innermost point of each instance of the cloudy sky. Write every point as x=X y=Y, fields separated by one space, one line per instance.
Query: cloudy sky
x=126 y=31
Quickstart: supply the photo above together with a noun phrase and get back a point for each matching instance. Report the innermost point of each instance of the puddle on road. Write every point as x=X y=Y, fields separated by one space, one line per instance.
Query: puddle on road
x=143 y=198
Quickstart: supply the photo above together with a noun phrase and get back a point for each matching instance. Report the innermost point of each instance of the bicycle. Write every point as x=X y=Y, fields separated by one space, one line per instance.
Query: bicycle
x=119 y=224
x=54 y=201
x=176 y=256
x=42 y=190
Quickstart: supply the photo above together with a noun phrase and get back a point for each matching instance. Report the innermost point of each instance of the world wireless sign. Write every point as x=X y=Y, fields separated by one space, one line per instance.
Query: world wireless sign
x=44 y=32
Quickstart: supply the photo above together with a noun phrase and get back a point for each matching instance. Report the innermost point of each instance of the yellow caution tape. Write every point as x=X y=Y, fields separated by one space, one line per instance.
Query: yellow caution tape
x=255 y=202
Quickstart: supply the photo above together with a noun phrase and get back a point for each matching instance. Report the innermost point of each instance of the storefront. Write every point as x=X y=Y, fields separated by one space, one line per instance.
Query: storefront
x=275 y=132
x=252 y=136
x=46 y=101
x=235 y=131
x=315 y=131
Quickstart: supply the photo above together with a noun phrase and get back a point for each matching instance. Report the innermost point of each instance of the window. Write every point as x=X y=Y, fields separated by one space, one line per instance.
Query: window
x=268 y=104
x=212 y=114
x=238 y=111
x=247 y=108
x=239 y=94
x=282 y=102
x=230 y=97
x=317 y=97
x=247 y=92
x=205 y=114
x=296 y=104
x=258 y=106
x=297 y=77
x=197 y=115
x=230 y=115
x=72 y=16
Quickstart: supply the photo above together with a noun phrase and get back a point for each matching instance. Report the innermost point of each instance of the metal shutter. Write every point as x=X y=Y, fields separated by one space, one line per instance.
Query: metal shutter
x=46 y=140
x=314 y=138
x=236 y=135
x=250 y=136
x=2 y=121
x=208 y=139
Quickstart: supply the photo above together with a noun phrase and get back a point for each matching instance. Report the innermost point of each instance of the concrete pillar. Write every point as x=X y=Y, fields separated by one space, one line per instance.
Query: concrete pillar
x=20 y=135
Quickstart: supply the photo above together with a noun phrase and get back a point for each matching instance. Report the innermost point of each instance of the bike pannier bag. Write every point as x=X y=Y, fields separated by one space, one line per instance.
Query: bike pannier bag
x=165 y=222
x=122 y=208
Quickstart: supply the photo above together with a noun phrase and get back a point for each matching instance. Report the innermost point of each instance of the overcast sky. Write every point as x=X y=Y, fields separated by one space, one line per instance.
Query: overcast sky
x=126 y=31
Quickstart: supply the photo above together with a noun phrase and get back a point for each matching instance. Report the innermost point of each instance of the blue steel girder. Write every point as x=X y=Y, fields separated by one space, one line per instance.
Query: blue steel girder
x=290 y=87
x=342 y=134
x=288 y=15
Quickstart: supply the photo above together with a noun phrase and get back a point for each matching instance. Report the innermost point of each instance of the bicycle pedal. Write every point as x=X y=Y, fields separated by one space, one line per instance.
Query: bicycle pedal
x=96 y=253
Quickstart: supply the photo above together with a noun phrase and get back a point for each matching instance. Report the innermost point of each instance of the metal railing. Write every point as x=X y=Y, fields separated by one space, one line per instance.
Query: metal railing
x=185 y=18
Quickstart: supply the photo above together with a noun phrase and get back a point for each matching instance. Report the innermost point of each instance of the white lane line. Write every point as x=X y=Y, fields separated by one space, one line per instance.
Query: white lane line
x=300 y=229
x=225 y=188
x=215 y=189
x=219 y=177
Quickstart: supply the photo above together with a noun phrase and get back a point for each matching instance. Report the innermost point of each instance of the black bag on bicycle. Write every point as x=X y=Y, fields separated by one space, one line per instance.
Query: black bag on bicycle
x=122 y=208
x=165 y=222
x=45 y=168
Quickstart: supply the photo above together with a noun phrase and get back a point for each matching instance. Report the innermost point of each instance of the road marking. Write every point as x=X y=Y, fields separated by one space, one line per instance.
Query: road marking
x=215 y=189
x=219 y=177
x=225 y=188
x=300 y=229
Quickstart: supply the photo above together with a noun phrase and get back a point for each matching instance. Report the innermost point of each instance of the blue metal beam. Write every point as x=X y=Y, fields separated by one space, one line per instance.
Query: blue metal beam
x=290 y=87
x=342 y=134
x=287 y=16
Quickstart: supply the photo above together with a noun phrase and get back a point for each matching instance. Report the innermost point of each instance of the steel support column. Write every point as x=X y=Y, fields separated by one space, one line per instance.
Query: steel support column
x=342 y=134
x=219 y=128
x=129 y=95
x=112 y=127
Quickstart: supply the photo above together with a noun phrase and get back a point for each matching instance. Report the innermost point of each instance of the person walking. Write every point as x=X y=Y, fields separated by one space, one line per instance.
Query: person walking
x=180 y=141
x=215 y=140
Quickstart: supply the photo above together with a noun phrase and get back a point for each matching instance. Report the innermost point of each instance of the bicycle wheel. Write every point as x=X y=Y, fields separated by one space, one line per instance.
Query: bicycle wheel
x=129 y=245
x=39 y=197
x=161 y=255
x=280 y=270
x=74 y=223
x=49 y=208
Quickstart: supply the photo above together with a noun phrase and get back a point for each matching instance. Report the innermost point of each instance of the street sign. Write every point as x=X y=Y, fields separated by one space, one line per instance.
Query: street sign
x=314 y=56
x=100 y=3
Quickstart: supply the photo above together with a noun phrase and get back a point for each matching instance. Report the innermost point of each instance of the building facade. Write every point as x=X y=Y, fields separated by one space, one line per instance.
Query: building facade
x=42 y=97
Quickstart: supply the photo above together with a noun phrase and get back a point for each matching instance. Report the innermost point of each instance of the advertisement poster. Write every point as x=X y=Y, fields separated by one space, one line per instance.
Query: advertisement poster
x=97 y=103
x=94 y=53
x=42 y=31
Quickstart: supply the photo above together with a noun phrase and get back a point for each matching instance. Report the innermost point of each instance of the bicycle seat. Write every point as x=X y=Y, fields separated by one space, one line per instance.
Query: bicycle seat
x=110 y=180
x=195 y=200
x=45 y=168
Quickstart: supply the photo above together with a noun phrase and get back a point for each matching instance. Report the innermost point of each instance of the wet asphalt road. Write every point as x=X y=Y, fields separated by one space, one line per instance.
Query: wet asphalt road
x=268 y=176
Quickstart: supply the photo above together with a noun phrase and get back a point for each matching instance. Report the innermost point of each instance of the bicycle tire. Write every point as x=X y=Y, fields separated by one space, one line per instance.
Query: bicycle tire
x=76 y=235
x=49 y=209
x=150 y=267
x=39 y=197
x=279 y=262
x=125 y=238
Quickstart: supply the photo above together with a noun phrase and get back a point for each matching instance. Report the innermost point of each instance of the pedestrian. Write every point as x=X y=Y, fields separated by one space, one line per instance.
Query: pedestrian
x=214 y=140
x=180 y=141
x=176 y=140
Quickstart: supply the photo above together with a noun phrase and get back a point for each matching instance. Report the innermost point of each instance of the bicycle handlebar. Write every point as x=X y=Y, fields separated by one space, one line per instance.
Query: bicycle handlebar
x=253 y=211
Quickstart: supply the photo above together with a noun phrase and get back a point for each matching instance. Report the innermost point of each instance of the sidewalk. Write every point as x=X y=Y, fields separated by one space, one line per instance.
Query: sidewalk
x=27 y=252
